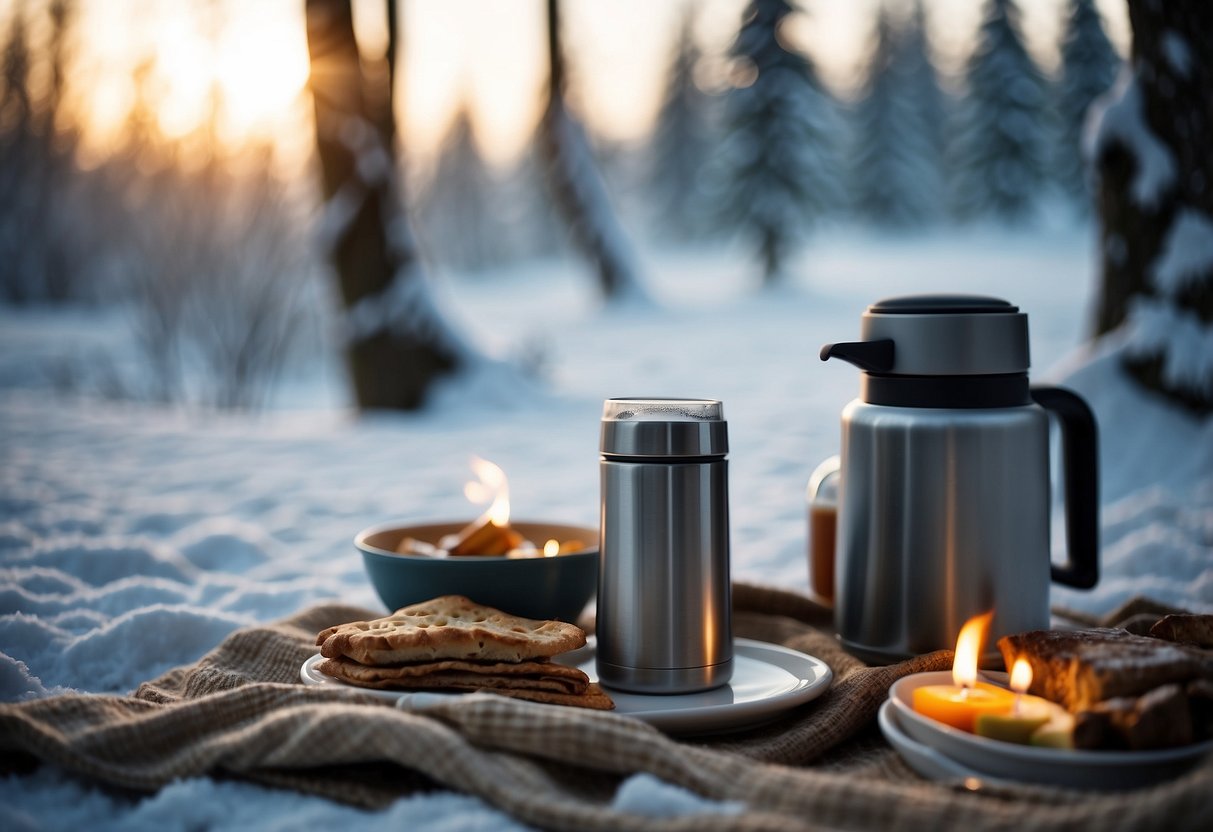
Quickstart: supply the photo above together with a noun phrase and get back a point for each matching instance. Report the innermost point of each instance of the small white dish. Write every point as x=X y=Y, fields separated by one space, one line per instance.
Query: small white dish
x=924 y=759
x=1051 y=766
x=767 y=680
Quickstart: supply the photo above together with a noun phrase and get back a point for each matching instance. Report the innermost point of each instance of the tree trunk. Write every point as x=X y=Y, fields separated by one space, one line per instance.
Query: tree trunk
x=577 y=187
x=1168 y=100
x=396 y=342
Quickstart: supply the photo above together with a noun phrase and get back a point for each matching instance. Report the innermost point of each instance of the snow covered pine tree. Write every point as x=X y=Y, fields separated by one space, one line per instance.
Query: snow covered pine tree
x=397 y=342
x=459 y=218
x=778 y=168
x=1089 y=65
x=530 y=216
x=896 y=148
x=682 y=143
x=1001 y=153
x=1150 y=145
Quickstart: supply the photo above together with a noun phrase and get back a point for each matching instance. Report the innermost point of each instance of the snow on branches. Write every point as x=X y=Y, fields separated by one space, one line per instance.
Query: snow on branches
x=1001 y=146
x=778 y=168
x=1156 y=328
x=896 y=173
x=1119 y=118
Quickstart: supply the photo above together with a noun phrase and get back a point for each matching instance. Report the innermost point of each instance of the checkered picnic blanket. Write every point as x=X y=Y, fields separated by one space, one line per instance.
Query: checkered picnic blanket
x=241 y=711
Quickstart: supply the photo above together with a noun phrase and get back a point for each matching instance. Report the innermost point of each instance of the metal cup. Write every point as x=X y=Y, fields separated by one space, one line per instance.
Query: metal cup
x=664 y=597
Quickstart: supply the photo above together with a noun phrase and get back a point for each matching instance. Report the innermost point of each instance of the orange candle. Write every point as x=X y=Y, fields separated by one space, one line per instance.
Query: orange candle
x=959 y=706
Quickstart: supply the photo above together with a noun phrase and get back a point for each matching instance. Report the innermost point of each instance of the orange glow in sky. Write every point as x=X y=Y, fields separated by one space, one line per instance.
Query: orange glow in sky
x=248 y=62
x=258 y=71
x=488 y=54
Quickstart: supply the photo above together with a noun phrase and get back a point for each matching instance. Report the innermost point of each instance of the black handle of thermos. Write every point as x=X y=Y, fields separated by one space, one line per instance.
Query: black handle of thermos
x=1080 y=459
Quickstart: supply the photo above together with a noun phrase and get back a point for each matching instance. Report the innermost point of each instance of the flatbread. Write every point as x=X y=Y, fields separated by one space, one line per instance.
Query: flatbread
x=594 y=697
x=535 y=675
x=450 y=627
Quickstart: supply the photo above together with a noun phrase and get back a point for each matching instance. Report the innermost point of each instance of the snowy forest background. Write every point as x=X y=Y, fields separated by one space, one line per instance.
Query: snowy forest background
x=215 y=254
x=198 y=317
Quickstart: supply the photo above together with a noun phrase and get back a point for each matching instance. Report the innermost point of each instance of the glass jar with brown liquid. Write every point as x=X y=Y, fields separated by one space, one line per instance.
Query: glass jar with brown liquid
x=822 y=500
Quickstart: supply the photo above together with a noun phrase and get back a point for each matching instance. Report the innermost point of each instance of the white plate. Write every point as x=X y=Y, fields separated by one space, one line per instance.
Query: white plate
x=767 y=680
x=923 y=758
x=1052 y=766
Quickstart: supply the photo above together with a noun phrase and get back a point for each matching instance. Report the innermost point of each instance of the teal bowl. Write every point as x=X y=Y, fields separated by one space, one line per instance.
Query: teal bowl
x=557 y=587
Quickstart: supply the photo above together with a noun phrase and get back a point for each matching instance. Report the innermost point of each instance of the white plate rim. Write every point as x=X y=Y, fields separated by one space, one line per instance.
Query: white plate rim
x=1025 y=755
x=812 y=675
x=927 y=761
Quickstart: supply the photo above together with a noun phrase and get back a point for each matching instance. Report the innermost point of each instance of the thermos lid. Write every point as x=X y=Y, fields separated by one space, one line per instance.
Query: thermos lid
x=939 y=335
x=660 y=427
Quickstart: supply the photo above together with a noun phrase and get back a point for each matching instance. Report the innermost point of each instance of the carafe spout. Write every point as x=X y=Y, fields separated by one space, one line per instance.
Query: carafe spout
x=872 y=356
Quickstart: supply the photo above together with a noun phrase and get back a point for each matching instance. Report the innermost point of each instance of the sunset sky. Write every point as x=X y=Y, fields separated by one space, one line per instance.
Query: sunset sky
x=489 y=53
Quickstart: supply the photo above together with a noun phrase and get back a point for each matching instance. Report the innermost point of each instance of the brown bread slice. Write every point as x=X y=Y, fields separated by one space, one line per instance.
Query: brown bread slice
x=1158 y=719
x=1077 y=668
x=1185 y=629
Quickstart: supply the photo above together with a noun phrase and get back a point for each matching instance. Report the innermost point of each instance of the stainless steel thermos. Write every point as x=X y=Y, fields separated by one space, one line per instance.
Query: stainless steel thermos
x=664 y=599
x=945 y=478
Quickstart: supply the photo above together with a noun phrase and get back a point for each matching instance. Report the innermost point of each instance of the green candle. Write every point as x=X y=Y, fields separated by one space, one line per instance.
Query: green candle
x=1016 y=725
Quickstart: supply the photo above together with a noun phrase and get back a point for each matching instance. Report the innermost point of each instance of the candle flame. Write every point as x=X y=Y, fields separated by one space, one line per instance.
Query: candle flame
x=551 y=549
x=968 y=649
x=490 y=484
x=1021 y=676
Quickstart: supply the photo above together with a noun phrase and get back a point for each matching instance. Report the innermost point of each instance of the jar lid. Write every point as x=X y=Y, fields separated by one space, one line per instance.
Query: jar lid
x=663 y=427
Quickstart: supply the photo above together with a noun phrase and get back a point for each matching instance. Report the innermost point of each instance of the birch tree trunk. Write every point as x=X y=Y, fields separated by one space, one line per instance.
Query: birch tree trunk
x=396 y=341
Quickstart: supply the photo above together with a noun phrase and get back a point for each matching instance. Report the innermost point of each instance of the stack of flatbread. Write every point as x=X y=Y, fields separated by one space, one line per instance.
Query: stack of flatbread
x=453 y=644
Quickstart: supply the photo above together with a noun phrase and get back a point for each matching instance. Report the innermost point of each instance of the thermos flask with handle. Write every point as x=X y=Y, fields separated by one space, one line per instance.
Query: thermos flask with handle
x=664 y=598
x=945 y=506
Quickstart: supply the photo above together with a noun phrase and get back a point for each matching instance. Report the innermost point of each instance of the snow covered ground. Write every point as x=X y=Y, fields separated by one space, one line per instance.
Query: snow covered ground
x=134 y=538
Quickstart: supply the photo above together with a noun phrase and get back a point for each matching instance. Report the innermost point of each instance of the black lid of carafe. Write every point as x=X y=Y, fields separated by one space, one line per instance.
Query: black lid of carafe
x=941 y=305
